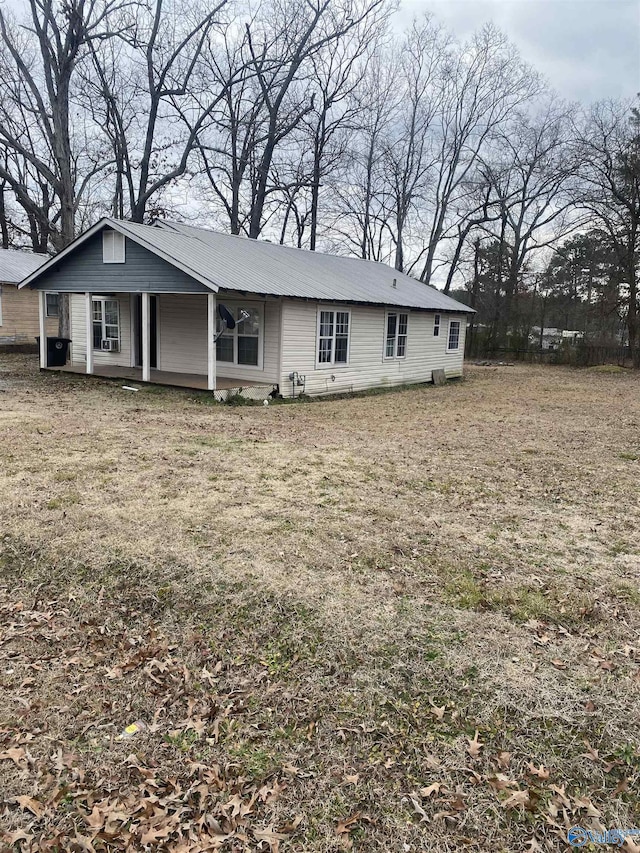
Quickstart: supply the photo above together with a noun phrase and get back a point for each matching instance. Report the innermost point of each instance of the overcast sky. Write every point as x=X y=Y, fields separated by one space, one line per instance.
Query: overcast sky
x=588 y=49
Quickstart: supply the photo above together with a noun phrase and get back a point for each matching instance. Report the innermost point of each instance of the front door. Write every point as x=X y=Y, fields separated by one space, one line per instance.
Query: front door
x=153 y=330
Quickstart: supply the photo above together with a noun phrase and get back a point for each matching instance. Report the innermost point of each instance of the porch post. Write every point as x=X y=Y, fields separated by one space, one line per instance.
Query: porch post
x=88 y=307
x=146 y=361
x=211 y=344
x=42 y=310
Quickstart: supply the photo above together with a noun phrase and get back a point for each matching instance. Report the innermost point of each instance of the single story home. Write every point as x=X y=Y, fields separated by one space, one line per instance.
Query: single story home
x=147 y=303
x=19 y=308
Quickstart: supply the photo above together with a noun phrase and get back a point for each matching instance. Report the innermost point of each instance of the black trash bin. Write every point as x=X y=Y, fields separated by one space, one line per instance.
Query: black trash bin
x=57 y=350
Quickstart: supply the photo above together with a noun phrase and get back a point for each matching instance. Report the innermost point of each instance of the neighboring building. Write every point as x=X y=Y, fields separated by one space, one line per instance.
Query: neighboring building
x=552 y=338
x=19 y=308
x=146 y=299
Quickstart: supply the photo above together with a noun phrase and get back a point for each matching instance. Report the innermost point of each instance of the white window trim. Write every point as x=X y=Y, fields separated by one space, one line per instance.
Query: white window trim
x=395 y=356
x=332 y=365
x=438 y=325
x=113 y=247
x=459 y=322
x=256 y=306
x=104 y=299
x=46 y=300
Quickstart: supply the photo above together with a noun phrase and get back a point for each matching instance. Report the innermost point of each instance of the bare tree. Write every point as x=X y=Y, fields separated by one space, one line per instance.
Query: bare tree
x=40 y=59
x=409 y=154
x=483 y=82
x=304 y=28
x=533 y=164
x=609 y=136
x=146 y=86
x=362 y=208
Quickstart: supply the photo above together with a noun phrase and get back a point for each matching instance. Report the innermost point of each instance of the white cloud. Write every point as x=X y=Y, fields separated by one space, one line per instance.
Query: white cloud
x=588 y=49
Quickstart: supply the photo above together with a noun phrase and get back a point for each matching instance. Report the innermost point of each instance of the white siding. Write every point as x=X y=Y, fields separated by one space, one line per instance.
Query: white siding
x=79 y=336
x=182 y=336
x=182 y=333
x=367 y=367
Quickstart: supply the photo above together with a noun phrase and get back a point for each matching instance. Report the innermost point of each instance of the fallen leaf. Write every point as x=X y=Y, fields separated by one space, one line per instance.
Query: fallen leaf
x=541 y=772
x=269 y=834
x=591 y=753
x=500 y=782
x=292 y=825
x=475 y=746
x=417 y=807
x=15 y=754
x=504 y=760
x=152 y=835
x=31 y=804
x=517 y=799
x=622 y=787
x=345 y=826
x=437 y=711
x=434 y=788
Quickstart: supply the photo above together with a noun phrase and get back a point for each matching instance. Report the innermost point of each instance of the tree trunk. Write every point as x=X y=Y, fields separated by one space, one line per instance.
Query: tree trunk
x=4 y=225
x=475 y=289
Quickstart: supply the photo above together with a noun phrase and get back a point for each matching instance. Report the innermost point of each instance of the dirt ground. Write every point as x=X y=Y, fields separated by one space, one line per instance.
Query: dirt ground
x=403 y=622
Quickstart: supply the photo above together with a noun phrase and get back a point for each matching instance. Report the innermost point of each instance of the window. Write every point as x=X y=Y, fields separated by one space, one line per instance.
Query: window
x=112 y=247
x=106 y=320
x=436 y=326
x=454 y=336
x=241 y=345
x=333 y=337
x=396 y=339
x=0 y=304
x=53 y=306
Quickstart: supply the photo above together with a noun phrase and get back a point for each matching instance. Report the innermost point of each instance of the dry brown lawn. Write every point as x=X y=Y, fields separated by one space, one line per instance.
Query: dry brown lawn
x=404 y=622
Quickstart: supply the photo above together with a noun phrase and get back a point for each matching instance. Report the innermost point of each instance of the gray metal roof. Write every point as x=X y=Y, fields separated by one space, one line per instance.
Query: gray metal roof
x=228 y=262
x=256 y=266
x=16 y=265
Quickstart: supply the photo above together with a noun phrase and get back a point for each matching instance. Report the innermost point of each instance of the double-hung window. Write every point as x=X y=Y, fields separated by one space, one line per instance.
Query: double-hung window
x=242 y=344
x=396 y=338
x=436 y=325
x=453 y=343
x=333 y=337
x=53 y=304
x=106 y=320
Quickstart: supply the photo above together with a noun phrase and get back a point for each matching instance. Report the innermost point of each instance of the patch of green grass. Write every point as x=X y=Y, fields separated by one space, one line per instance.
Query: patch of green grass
x=630 y=457
x=64 y=476
x=63 y=501
x=464 y=591
x=612 y=369
x=182 y=740
x=238 y=400
x=627 y=592
x=257 y=761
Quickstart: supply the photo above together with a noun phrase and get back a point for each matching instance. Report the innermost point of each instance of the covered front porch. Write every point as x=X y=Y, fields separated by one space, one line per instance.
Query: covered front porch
x=257 y=390
x=174 y=339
